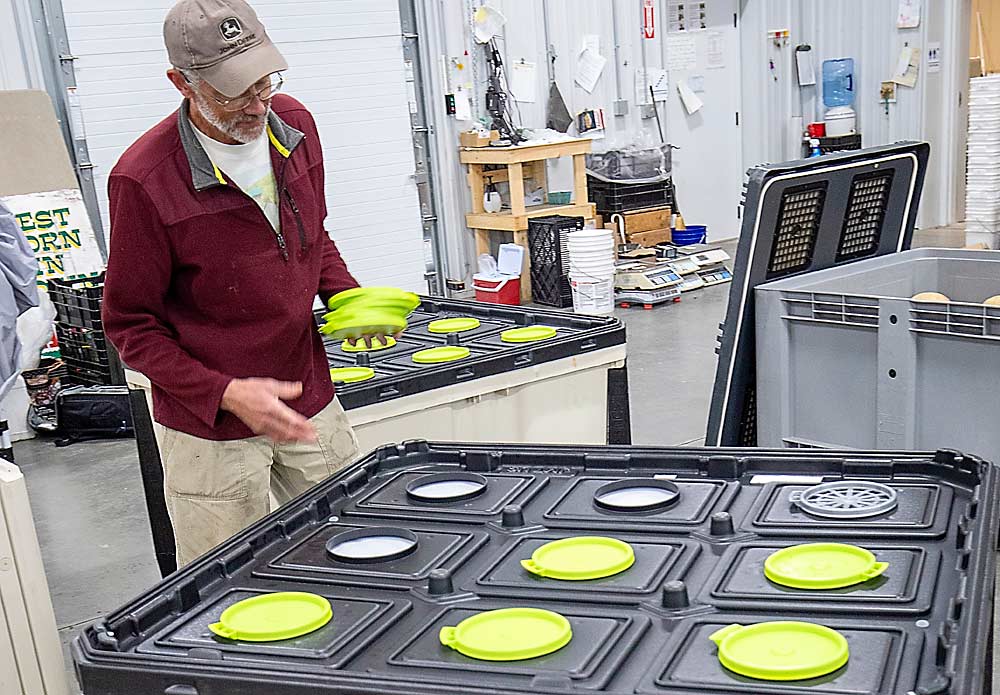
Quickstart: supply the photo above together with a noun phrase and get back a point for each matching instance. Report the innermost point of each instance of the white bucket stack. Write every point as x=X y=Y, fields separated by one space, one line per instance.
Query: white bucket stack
x=982 y=197
x=592 y=270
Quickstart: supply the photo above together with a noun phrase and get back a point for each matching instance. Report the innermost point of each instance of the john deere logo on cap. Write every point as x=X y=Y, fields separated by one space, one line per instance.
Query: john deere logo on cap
x=231 y=29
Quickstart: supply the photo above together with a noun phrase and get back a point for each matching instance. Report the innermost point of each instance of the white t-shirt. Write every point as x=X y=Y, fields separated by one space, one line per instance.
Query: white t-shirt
x=249 y=167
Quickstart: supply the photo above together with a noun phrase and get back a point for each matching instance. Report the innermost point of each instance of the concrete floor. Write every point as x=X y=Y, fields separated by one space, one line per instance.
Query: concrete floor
x=88 y=502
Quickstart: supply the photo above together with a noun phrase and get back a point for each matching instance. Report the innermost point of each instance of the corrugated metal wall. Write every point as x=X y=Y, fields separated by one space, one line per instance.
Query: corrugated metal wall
x=770 y=100
x=346 y=65
x=864 y=30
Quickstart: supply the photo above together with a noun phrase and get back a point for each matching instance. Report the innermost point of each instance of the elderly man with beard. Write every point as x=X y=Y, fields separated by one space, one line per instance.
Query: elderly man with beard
x=217 y=251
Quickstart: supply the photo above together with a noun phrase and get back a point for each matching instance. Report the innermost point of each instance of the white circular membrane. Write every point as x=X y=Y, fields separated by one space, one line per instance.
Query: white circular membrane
x=639 y=496
x=372 y=547
x=447 y=489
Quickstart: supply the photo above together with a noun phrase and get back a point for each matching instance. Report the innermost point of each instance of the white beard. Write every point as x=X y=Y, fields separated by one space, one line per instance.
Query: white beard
x=242 y=129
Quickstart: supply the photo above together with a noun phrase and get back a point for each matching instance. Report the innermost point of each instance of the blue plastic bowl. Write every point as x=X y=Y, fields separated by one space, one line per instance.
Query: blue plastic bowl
x=694 y=234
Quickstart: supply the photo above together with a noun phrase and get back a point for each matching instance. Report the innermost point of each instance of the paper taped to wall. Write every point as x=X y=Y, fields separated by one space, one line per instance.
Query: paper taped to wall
x=588 y=69
x=681 y=52
x=692 y=103
x=524 y=81
x=651 y=77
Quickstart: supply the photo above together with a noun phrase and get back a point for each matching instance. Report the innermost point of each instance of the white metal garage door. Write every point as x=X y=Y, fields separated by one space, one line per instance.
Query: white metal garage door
x=345 y=64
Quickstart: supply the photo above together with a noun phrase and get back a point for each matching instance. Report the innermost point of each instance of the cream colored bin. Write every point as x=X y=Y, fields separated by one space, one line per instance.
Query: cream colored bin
x=559 y=402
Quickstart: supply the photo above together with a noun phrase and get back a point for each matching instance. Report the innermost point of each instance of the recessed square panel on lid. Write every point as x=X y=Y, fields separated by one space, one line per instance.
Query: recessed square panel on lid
x=907 y=585
x=865 y=212
x=921 y=510
x=355 y=623
x=640 y=504
x=655 y=563
x=452 y=493
x=374 y=554
x=466 y=326
x=600 y=641
x=690 y=662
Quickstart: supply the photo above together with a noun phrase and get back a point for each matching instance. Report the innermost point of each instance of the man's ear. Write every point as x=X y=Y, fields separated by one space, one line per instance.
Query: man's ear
x=178 y=80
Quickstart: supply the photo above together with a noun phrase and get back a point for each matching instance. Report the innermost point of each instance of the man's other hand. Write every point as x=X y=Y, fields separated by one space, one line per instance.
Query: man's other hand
x=258 y=403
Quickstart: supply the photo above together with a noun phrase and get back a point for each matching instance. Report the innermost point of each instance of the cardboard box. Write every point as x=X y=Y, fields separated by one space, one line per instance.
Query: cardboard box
x=472 y=138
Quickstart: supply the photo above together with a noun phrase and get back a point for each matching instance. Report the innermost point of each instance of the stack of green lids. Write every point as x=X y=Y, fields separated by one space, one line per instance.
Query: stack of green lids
x=368 y=311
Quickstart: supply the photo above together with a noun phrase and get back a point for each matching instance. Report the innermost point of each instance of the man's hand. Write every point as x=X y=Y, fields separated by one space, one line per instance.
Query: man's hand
x=258 y=403
x=368 y=339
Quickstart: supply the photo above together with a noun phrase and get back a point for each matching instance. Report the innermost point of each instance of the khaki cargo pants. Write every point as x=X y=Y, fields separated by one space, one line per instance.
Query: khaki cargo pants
x=214 y=490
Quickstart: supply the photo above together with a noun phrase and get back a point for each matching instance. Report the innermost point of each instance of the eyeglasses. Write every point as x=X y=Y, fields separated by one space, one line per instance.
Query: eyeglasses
x=264 y=90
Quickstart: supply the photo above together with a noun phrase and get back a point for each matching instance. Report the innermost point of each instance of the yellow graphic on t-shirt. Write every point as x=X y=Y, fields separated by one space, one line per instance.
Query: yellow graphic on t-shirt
x=265 y=192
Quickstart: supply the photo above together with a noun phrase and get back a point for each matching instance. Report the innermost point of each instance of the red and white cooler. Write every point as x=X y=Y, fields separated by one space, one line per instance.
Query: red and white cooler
x=503 y=289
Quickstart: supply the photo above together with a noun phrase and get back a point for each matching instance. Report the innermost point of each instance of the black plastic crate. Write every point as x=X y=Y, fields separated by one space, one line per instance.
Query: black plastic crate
x=549 y=254
x=614 y=196
x=78 y=302
x=397 y=376
x=838 y=143
x=923 y=626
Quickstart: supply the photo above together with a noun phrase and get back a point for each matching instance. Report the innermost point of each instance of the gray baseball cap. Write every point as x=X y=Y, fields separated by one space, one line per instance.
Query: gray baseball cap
x=222 y=41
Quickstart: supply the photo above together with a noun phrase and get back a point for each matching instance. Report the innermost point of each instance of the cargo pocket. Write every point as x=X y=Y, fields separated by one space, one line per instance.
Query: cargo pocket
x=204 y=469
x=336 y=437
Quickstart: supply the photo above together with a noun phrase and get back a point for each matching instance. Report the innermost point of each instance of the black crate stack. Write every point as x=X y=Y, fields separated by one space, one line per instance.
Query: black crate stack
x=550 y=259
x=612 y=197
x=89 y=357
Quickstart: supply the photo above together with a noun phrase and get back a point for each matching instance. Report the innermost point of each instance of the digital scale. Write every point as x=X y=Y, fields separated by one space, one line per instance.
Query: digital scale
x=646 y=276
x=715 y=276
x=648 y=298
x=702 y=254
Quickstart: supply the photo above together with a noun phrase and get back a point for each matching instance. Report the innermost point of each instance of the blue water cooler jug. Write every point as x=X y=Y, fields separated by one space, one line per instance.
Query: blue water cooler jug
x=838 y=82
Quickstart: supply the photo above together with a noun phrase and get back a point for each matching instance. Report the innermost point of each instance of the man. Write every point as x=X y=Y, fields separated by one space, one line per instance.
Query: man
x=217 y=251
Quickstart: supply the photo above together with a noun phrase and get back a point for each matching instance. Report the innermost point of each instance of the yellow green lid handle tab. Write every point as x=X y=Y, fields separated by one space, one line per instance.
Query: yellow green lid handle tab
x=447 y=636
x=222 y=631
x=877 y=570
x=719 y=635
x=532 y=567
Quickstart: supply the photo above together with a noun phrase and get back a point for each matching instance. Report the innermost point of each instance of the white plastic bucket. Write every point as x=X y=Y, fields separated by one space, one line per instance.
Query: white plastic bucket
x=592 y=296
x=840 y=120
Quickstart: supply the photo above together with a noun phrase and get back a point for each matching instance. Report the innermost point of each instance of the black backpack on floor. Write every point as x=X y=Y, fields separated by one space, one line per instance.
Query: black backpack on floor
x=93 y=412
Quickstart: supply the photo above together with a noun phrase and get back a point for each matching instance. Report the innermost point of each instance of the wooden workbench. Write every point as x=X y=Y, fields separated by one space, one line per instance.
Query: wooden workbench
x=522 y=162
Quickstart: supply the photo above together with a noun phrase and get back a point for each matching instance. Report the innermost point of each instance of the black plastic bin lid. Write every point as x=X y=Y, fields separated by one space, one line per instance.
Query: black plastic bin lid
x=799 y=217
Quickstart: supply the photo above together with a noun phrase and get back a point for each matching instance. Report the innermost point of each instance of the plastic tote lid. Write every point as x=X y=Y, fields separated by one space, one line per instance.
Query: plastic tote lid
x=781 y=650
x=454 y=325
x=361 y=346
x=444 y=353
x=273 y=617
x=527 y=334
x=822 y=566
x=509 y=259
x=583 y=557
x=349 y=375
x=509 y=634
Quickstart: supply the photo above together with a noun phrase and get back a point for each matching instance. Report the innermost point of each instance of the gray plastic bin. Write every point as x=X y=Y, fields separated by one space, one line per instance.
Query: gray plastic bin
x=846 y=358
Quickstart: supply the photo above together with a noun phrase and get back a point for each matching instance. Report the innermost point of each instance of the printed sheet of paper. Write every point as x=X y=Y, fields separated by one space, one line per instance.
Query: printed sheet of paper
x=692 y=103
x=716 y=57
x=523 y=81
x=652 y=77
x=909 y=14
x=681 y=53
x=588 y=69
x=463 y=106
x=907 y=66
